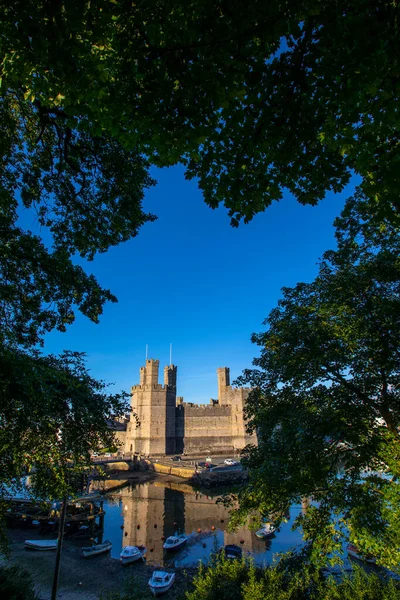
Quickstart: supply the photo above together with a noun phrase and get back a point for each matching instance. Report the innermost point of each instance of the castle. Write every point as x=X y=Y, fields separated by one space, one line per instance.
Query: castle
x=168 y=425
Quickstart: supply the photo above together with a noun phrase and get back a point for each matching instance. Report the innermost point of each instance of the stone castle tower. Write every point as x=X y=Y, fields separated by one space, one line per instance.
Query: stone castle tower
x=154 y=405
x=168 y=425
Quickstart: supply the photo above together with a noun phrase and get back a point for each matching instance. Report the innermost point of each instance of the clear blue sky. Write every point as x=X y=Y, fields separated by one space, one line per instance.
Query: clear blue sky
x=191 y=280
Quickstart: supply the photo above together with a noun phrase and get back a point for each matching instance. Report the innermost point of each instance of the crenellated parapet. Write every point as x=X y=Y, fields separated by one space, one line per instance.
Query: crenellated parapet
x=203 y=411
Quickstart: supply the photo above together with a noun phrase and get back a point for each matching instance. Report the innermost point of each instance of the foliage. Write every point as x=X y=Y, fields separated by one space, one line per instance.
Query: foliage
x=53 y=414
x=83 y=191
x=325 y=402
x=240 y=580
x=252 y=98
x=221 y=579
x=16 y=584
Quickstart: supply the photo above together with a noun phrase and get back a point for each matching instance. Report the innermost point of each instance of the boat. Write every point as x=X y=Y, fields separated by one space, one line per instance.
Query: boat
x=233 y=551
x=266 y=531
x=41 y=544
x=174 y=542
x=131 y=554
x=96 y=549
x=161 y=581
x=353 y=552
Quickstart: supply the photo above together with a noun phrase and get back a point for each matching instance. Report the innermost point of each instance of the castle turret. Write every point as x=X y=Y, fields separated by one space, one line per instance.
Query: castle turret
x=223 y=383
x=152 y=371
x=170 y=376
x=150 y=402
x=170 y=373
x=142 y=376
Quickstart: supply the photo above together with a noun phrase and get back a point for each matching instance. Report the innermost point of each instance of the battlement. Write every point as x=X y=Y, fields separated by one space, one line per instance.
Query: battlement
x=206 y=410
x=147 y=387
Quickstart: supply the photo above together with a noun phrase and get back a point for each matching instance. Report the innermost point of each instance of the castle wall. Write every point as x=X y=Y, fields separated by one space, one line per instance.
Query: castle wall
x=180 y=428
x=207 y=428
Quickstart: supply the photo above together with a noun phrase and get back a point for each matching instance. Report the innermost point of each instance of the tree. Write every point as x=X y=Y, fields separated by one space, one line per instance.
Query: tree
x=325 y=402
x=52 y=415
x=252 y=98
x=85 y=191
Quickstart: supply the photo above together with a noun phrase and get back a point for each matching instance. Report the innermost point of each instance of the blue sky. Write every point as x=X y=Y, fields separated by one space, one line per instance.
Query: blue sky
x=192 y=280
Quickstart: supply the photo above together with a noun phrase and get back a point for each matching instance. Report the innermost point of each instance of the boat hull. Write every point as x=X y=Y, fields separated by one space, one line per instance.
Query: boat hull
x=175 y=547
x=160 y=590
x=354 y=554
x=127 y=560
x=40 y=545
x=262 y=534
x=161 y=587
x=88 y=552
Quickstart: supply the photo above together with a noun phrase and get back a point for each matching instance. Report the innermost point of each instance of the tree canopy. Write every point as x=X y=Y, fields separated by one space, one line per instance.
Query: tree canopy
x=52 y=414
x=325 y=402
x=253 y=98
x=84 y=191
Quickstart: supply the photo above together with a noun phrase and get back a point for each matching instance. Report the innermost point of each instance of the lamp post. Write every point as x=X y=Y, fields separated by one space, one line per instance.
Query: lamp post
x=59 y=548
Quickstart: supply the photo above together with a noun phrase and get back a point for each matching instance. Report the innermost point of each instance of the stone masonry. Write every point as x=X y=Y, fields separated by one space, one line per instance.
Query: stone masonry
x=168 y=425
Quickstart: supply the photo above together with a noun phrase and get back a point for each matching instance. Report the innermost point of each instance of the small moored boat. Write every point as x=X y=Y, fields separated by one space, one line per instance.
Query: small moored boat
x=353 y=552
x=131 y=554
x=41 y=544
x=266 y=531
x=233 y=551
x=96 y=549
x=174 y=542
x=161 y=581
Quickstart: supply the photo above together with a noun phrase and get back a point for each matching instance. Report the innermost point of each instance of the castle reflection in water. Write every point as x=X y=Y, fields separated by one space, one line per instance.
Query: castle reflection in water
x=153 y=511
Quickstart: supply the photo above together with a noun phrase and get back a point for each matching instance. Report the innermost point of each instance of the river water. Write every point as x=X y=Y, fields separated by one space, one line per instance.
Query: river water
x=147 y=513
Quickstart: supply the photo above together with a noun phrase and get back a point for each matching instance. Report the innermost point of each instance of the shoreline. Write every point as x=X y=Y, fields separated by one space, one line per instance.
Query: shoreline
x=85 y=579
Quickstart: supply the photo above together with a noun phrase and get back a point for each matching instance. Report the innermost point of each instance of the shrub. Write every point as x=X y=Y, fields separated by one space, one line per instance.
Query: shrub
x=16 y=584
x=223 y=579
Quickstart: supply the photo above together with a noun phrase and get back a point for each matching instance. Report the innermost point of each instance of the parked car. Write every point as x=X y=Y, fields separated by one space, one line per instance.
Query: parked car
x=230 y=462
x=176 y=458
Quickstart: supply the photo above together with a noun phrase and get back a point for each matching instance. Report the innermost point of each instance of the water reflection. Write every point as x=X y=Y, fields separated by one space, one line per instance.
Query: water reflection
x=151 y=512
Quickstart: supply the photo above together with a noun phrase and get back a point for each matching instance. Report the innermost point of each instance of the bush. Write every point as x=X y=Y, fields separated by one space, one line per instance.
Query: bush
x=16 y=584
x=223 y=579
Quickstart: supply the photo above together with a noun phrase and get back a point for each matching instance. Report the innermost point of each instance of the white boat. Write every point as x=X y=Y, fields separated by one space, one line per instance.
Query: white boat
x=354 y=553
x=161 y=582
x=41 y=544
x=96 y=549
x=266 y=531
x=174 y=542
x=131 y=554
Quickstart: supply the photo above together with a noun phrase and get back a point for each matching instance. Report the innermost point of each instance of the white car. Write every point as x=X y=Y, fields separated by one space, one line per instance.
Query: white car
x=230 y=462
